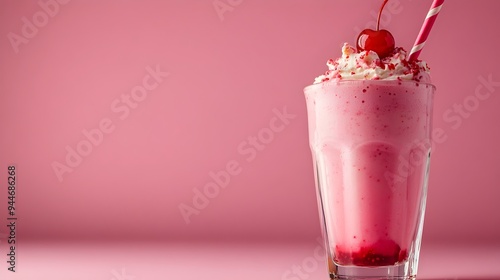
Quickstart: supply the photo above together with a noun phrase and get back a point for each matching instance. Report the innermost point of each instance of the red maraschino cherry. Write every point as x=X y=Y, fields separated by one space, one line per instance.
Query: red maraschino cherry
x=380 y=41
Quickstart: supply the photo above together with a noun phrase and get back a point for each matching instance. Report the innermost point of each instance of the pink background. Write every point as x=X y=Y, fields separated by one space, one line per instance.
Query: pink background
x=227 y=75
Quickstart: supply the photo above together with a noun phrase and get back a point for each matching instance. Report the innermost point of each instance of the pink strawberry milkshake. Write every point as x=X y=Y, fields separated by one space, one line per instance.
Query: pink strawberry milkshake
x=369 y=133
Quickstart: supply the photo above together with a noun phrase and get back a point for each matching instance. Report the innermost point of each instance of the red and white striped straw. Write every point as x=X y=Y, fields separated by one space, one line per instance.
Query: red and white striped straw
x=426 y=29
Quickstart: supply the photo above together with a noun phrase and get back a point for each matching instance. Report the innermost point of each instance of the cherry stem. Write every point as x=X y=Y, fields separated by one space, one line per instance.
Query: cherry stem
x=380 y=13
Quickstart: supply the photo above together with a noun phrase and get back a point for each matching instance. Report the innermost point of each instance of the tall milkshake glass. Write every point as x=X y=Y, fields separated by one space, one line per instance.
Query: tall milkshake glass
x=370 y=143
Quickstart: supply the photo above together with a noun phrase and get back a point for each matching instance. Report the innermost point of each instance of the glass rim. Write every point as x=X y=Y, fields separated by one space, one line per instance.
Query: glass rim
x=381 y=82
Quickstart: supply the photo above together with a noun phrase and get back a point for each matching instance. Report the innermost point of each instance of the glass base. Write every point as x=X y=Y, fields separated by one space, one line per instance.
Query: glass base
x=393 y=272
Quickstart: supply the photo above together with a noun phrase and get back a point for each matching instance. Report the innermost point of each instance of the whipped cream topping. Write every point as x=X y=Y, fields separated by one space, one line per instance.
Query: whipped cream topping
x=367 y=65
